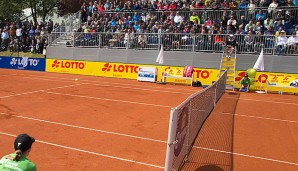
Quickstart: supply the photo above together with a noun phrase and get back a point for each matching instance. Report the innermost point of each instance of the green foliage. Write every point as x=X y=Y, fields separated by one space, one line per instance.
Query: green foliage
x=11 y=9
x=66 y=7
x=40 y=8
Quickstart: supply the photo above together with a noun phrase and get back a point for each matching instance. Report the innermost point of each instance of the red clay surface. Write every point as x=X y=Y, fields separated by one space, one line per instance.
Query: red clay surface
x=100 y=123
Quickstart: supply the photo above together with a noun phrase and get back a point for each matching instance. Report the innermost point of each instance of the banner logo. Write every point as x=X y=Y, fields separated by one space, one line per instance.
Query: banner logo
x=120 y=68
x=24 y=62
x=55 y=64
x=107 y=67
x=181 y=132
x=68 y=64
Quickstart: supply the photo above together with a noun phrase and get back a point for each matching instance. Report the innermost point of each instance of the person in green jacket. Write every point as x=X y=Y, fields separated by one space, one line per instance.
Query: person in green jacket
x=194 y=17
x=245 y=84
x=18 y=161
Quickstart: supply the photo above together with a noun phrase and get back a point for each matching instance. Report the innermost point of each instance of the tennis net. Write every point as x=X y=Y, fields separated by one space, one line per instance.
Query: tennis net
x=187 y=119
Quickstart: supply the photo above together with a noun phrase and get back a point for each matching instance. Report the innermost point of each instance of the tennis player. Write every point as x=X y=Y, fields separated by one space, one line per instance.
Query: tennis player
x=245 y=84
x=18 y=160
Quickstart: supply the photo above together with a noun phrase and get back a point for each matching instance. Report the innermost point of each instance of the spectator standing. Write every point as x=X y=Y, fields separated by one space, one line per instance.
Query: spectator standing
x=5 y=40
x=19 y=33
x=273 y=5
x=31 y=32
x=12 y=32
x=84 y=12
x=251 y=8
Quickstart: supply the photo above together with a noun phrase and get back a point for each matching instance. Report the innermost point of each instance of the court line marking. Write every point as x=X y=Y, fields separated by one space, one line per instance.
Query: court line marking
x=106 y=99
x=91 y=152
x=246 y=155
x=94 y=81
x=81 y=127
x=108 y=85
x=149 y=139
x=258 y=117
x=267 y=101
x=36 y=91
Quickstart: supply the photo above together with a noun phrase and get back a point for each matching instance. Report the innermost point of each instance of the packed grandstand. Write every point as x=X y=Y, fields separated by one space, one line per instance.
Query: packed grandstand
x=177 y=25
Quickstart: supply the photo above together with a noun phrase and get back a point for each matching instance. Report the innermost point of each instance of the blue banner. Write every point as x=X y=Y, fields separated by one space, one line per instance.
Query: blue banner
x=23 y=63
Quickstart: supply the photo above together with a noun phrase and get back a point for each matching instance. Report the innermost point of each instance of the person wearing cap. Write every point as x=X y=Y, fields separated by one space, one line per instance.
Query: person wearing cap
x=281 y=42
x=18 y=160
x=245 y=84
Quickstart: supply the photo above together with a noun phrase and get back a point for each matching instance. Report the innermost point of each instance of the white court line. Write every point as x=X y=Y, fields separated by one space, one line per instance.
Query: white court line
x=246 y=155
x=81 y=127
x=31 y=92
x=266 y=101
x=106 y=99
x=272 y=98
x=258 y=117
x=109 y=85
x=149 y=139
x=90 y=152
x=100 y=82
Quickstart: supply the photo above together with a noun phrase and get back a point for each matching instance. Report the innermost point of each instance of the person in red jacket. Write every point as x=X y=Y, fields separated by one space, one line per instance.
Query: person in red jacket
x=173 y=6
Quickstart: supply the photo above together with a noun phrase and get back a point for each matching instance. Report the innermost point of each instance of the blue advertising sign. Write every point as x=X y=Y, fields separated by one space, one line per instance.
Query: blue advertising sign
x=23 y=63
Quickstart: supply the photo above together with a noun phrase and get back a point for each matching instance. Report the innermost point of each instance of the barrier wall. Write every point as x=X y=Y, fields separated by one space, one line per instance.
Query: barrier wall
x=120 y=70
x=130 y=71
x=23 y=63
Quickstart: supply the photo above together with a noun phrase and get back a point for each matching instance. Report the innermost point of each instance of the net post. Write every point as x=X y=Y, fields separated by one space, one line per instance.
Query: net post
x=171 y=140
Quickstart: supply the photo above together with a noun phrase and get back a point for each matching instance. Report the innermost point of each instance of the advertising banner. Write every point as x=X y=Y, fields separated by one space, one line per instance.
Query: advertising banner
x=147 y=74
x=23 y=63
x=70 y=67
x=120 y=70
x=205 y=76
x=281 y=79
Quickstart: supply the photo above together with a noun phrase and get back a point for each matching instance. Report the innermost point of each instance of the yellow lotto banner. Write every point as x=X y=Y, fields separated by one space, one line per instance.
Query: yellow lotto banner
x=282 y=79
x=205 y=76
x=120 y=70
x=70 y=67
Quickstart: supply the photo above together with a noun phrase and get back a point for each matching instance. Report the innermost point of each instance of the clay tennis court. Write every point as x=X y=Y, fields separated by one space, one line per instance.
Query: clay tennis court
x=99 y=123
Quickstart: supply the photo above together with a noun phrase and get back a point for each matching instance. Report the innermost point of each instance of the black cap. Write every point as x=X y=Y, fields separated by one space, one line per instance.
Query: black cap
x=246 y=75
x=23 y=142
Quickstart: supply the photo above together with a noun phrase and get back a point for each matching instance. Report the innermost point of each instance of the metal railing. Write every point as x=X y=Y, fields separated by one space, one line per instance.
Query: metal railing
x=246 y=44
x=61 y=32
x=205 y=13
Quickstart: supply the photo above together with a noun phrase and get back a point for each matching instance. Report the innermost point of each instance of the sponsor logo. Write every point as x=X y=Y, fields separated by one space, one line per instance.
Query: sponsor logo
x=68 y=64
x=120 y=68
x=202 y=74
x=181 y=131
x=24 y=62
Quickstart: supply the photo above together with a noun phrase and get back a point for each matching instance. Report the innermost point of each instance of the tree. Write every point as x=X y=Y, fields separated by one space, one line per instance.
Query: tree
x=11 y=9
x=40 y=8
x=66 y=7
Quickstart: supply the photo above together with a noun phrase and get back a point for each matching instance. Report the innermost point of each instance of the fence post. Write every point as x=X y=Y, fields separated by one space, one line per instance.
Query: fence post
x=74 y=38
x=193 y=43
x=159 y=40
x=99 y=40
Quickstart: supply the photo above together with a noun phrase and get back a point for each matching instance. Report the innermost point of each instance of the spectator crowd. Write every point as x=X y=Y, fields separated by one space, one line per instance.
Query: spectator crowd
x=249 y=19
x=25 y=36
x=208 y=20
